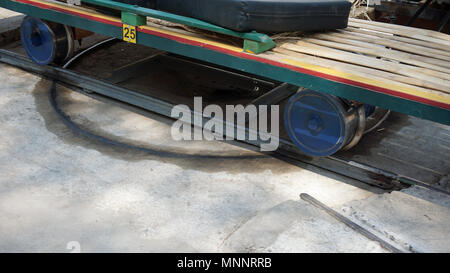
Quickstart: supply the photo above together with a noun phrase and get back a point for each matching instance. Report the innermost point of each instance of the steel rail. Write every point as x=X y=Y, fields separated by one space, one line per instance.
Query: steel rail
x=369 y=235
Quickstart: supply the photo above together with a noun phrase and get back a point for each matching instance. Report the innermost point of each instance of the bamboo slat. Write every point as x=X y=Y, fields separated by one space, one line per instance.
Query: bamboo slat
x=406 y=29
x=398 y=38
x=415 y=49
x=433 y=61
x=387 y=54
x=361 y=71
x=339 y=55
x=406 y=33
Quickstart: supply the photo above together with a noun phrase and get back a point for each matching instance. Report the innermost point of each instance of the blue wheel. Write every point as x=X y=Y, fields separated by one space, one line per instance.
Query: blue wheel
x=46 y=42
x=319 y=124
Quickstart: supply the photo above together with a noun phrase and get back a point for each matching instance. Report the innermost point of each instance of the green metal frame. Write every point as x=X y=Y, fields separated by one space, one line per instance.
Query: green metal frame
x=133 y=19
x=281 y=74
x=253 y=42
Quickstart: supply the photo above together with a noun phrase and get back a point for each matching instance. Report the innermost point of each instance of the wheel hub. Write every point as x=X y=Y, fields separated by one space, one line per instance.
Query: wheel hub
x=319 y=124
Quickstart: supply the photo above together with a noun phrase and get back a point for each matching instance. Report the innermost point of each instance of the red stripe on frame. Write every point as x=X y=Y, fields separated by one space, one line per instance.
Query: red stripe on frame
x=94 y=18
x=244 y=55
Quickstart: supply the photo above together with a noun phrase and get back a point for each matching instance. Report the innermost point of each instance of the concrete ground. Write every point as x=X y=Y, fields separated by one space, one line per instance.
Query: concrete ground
x=57 y=186
x=63 y=191
x=9 y=27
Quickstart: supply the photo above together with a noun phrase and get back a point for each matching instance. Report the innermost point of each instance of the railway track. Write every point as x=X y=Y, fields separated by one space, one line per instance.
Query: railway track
x=110 y=89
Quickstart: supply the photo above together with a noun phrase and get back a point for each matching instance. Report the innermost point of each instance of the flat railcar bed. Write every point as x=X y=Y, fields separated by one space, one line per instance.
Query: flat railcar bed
x=394 y=67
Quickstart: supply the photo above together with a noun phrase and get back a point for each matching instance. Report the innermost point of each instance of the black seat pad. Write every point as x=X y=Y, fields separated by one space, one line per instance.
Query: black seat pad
x=259 y=15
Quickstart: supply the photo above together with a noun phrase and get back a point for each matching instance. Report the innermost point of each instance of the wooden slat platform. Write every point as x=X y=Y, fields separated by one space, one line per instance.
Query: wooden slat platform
x=394 y=57
x=401 y=56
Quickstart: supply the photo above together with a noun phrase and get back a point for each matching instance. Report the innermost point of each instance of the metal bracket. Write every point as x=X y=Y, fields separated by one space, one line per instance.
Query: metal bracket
x=133 y=19
x=258 y=47
x=254 y=42
x=276 y=95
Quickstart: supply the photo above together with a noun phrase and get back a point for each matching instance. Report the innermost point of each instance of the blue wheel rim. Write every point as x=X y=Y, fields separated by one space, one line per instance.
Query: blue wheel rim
x=316 y=123
x=38 y=40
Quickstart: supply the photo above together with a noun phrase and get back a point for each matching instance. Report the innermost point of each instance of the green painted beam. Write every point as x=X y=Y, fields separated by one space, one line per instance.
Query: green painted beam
x=265 y=70
x=252 y=36
x=253 y=42
x=133 y=19
x=257 y=47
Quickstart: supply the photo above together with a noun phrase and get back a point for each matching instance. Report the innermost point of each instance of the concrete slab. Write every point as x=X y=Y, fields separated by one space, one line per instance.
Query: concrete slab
x=297 y=226
x=57 y=187
x=409 y=222
x=9 y=26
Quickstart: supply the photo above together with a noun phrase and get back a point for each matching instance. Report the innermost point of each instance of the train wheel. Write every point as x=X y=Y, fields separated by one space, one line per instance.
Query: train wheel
x=320 y=124
x=46 y=42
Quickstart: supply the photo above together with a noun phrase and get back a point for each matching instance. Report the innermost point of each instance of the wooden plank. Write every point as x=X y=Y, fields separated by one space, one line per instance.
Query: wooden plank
x=413 y=72
x=384 y=53
x=339 y=39
x=397 y=38
x=390 y=42
x=409 y=34
x=433 y=61
x=406 y=29
x=362 y=71
x=419 y=50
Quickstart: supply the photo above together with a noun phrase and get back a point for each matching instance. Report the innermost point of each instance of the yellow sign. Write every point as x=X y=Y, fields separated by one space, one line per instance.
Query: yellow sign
x=129 y=33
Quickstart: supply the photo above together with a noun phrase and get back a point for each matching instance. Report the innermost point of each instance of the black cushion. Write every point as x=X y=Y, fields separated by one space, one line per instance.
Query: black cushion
x=259 y=15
